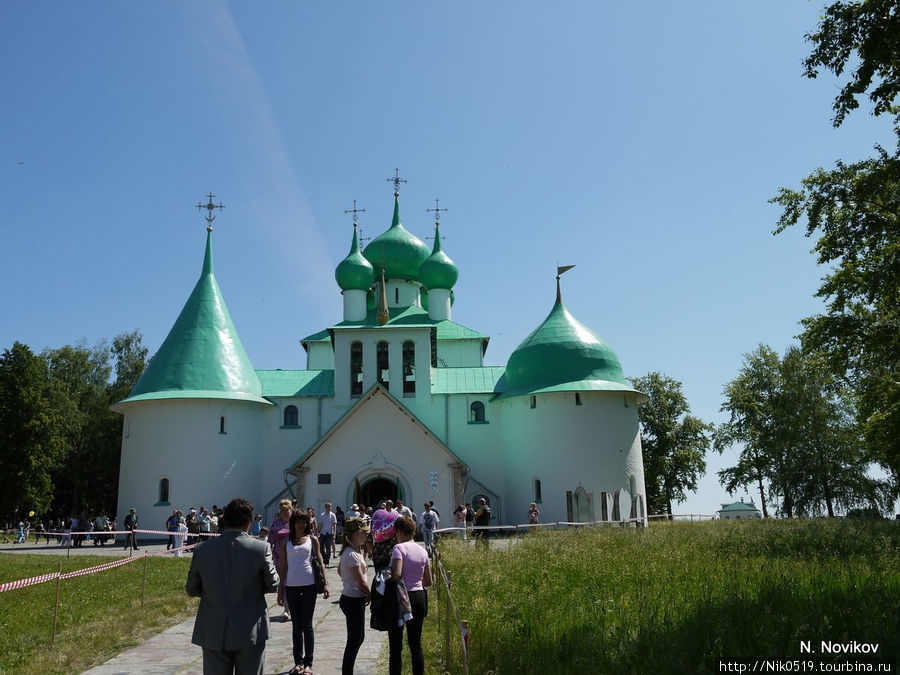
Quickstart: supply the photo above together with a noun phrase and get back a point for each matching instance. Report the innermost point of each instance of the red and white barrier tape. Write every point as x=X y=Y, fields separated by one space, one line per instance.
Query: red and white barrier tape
x=98 y=568
x=22 y=583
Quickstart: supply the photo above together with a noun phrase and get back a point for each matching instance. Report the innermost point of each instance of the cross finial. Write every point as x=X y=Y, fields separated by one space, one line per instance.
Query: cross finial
x=210 y=207
x=437 y=211
x=396 y=180
x=355 y=211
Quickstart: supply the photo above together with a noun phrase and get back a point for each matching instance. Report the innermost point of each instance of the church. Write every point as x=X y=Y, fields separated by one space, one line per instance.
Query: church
x=395 y=401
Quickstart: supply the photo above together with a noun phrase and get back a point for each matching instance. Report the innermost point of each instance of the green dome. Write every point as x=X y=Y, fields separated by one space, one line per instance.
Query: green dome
x=202 y=357
x=354 y=272
x=402 y=252
x=438 y=271
x=562 y=354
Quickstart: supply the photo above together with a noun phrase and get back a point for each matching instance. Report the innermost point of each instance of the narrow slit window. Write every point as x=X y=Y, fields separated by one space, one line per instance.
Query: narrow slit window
x=409 y=367
x=537 y=490
x=577 y=398
x=222 y=425
x=164 y=490
x=533 y=402
x=396 y=296
x=291 y=416
x=382 y=363
x=356 y=368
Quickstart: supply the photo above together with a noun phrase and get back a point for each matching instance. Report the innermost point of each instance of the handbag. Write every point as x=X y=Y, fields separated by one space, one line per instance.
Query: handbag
x=318 y=576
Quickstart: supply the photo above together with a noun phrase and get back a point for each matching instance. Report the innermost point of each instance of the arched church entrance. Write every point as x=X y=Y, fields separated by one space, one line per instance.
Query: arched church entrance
x=378 y=489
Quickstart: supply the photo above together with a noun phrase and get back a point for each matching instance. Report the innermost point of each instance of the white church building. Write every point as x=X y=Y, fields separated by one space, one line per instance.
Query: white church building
x=395 y=401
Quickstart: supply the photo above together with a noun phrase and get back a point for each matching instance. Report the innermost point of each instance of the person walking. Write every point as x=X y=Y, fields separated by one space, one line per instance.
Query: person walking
x=459 y=516
x=409 y=562
x=430 y=522
x=280 y=531
x=300 y=551
x=327 y=529
x=171 y=526
x=533 y=514
x=231 y=575
x=356 y=592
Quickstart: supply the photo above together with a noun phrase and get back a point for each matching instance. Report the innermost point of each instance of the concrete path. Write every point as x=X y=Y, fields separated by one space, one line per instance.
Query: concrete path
x=172 y=652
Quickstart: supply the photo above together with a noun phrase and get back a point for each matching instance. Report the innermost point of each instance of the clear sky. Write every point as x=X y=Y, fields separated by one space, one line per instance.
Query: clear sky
x=638 y=141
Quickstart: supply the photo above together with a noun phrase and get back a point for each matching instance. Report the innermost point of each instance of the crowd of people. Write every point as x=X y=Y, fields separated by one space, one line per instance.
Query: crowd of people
x=73 y=531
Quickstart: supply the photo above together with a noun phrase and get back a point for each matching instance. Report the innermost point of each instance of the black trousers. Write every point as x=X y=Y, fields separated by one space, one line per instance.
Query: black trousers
x=354 y=610
x=419 y=602
x=301 y=600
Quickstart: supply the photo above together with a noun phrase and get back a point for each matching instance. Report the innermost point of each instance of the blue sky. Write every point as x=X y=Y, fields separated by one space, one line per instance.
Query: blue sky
x=638 y=141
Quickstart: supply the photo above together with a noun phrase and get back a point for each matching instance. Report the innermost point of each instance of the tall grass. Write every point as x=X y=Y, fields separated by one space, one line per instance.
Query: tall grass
x=99 y=614
x=672 y=598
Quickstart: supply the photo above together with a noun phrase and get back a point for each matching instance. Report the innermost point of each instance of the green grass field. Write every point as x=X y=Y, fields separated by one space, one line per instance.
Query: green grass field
x=99 y=614
x=672 y=598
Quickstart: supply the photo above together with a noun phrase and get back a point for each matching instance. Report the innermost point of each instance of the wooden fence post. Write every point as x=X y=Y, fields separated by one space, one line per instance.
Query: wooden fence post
x=447 y=622
x=144 y=581
x=56 y=605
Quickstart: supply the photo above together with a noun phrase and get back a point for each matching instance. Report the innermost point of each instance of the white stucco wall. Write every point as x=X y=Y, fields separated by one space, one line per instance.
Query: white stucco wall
x=596 y=445
x=179 y=439
x=460 y=353
x=320 y=356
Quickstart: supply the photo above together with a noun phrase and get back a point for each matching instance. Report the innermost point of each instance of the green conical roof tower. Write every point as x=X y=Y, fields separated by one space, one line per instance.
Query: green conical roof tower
x=438 y=271
x=402 y=252
x=202 y=357
x=562 y=354
x=354 y=272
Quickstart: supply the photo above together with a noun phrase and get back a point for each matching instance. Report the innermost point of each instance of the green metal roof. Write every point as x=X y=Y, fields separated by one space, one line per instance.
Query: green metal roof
x=739 y=506
x=466 y=380
x=399 y=317
x=354 y=272
x=321 y=336
x=449 y=330
x=316 y=383
x=202 y=357
x=438 y=271
x=562 y=354
x=402 y=253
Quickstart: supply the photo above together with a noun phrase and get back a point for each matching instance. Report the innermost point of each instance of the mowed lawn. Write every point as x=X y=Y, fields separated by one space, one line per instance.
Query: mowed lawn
x=99 y=614
x=672 y=598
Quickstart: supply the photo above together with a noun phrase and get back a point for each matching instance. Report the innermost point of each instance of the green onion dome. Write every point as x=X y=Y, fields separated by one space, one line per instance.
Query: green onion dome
x=354 y=272
x=403 y=253
x=438 y=271
x=562 y=354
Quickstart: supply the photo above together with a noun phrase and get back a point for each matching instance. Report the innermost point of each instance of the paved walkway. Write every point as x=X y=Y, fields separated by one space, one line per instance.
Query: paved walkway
x=172 y=652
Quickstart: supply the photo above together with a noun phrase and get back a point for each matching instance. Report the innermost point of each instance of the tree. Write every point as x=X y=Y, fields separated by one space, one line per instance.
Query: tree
x=35 y=419
x=674 y=442
x=855 y=208
x=800 y=441
x=868 y=34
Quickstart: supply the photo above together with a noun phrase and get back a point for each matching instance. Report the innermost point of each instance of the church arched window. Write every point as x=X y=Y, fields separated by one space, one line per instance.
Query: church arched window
x=382 y=364
x=577 y=398
x=291 y=416
x=533 y=402
x=356 y=368
x=476 y=413
x=537 y=490
x=409 y=367
x=164 y=490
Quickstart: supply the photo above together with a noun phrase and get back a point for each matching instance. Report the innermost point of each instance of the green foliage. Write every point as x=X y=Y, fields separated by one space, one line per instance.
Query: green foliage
x=672 y=598
x=856 y=208
x=58 y=437
x=35 y=418
x=99 y=616
x=866 y=34
x=674 y=442
x=799 y=439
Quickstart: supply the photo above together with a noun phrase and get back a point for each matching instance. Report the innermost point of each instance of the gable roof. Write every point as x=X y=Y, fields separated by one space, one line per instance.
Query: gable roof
x=375 y=390
x=739 y=506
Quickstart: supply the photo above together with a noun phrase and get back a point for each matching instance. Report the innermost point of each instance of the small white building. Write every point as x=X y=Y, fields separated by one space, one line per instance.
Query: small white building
x=739 y=510
x=396 y=401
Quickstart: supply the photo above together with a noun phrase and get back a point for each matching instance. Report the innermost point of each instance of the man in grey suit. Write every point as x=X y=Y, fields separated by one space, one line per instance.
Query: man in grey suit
x=231 y=574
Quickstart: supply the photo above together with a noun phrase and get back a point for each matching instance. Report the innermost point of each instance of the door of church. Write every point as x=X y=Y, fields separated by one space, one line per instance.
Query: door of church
x=377 y=490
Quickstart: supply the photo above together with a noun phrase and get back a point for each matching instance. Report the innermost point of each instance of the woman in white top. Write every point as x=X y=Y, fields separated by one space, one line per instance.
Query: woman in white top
x=180 y=533
x=355 y=593
x=300 y=551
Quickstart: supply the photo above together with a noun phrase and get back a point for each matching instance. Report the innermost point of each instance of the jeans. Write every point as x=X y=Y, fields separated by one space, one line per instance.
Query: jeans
x=327 y=541
x=428 y=540
x=354 y=610
x=302 y=602
x=419 y=602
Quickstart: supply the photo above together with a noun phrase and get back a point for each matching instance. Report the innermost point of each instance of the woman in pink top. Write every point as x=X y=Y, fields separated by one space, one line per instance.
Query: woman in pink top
x=409 y=562
x=278 y=534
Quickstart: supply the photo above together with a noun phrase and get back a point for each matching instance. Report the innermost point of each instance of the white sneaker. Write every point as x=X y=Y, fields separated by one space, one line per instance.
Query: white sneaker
x=285 y=616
